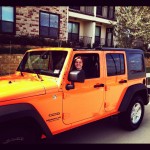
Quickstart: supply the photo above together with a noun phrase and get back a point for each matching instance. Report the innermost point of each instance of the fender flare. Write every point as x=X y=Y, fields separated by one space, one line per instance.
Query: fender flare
x=18 y=111
x=130 y=92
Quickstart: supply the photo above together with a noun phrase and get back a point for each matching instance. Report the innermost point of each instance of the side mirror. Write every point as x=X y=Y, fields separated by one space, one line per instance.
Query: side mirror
x=75 y=76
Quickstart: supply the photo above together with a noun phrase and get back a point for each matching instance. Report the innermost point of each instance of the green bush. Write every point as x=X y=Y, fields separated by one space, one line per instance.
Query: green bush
x=13 y=50
x=31 y=40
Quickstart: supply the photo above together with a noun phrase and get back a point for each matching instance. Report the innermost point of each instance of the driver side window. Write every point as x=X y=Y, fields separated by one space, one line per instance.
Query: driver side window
x=90 y=65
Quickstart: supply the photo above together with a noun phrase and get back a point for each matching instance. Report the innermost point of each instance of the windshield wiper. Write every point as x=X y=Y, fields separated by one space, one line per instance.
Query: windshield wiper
x=39 y=76
x=21 y=73
x=33 y=71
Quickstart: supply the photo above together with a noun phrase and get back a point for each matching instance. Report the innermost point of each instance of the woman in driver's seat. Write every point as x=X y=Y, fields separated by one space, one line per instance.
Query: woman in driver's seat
x=78 y=62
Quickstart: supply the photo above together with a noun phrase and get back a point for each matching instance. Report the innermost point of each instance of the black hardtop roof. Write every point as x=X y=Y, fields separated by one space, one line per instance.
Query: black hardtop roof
x=111 y=49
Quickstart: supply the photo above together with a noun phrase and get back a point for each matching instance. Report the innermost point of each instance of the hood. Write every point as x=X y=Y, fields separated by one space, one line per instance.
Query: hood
x=17 y=86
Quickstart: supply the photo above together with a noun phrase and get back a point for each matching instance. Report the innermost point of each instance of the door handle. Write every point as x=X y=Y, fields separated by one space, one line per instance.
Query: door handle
x=123 y=81
x=98 y=85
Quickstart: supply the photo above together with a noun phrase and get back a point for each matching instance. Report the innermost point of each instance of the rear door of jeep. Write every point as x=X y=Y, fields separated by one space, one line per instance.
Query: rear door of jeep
x=116 y=78
x=86 y=99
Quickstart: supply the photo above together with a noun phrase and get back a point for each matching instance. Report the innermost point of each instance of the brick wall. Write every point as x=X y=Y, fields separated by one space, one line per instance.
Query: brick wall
x=9 y=63
x=27 y=19
x=27 y=23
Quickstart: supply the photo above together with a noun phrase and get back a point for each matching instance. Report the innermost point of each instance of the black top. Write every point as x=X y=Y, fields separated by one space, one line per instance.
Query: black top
x=111 y=49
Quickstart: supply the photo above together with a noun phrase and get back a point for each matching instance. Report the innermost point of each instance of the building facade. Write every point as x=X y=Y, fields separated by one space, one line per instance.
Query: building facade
x=36 y=26
x=91 y=25
x=43 y=21
x=79 y=25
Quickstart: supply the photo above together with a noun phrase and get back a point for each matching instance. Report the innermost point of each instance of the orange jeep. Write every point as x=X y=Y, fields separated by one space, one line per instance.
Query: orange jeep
x=46 y=96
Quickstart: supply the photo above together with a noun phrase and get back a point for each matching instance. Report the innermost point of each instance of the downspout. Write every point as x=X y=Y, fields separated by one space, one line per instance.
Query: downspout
x=67 y=23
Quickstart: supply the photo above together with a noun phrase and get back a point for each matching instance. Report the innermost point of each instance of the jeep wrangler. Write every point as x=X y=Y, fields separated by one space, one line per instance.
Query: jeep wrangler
x=46 y=96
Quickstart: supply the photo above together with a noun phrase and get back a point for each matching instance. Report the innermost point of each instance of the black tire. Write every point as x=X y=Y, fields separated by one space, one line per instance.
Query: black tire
x=18 y=135
x=133 y=116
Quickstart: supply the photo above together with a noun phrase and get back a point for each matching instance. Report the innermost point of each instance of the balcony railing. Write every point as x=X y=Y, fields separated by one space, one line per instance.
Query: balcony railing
x=83 y=41
x=89 y=10
x=109 y=43
x=103 y=42
x=98 y=42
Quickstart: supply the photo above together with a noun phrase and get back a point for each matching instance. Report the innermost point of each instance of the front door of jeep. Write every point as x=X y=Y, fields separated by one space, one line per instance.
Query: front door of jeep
x=86 y=99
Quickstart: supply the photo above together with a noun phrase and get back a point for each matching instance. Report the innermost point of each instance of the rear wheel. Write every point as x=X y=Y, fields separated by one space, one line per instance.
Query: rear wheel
x=132 y=118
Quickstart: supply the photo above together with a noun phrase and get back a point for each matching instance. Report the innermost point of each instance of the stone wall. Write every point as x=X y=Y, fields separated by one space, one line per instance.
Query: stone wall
x=147 y=62
x=9 y=63
x=27 y=19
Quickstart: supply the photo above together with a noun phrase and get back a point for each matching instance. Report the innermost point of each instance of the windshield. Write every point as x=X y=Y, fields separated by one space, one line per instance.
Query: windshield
x=43 y=62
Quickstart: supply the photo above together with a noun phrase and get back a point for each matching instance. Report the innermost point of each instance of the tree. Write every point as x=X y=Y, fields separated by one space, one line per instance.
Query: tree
x=132 y=28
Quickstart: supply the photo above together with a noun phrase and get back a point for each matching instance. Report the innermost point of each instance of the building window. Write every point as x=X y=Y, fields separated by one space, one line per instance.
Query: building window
x=49 y=25
x=105 y=11
x=115 y=64
x=99 y=10
x=109 y=37
x=73 y=31
x=111 y=12
x=7 y=20
x=75 y=7
x=97 y=35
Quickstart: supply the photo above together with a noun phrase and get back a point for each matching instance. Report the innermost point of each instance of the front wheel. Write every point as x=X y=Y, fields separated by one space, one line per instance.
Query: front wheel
x=18 y=135
x=132 y=118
